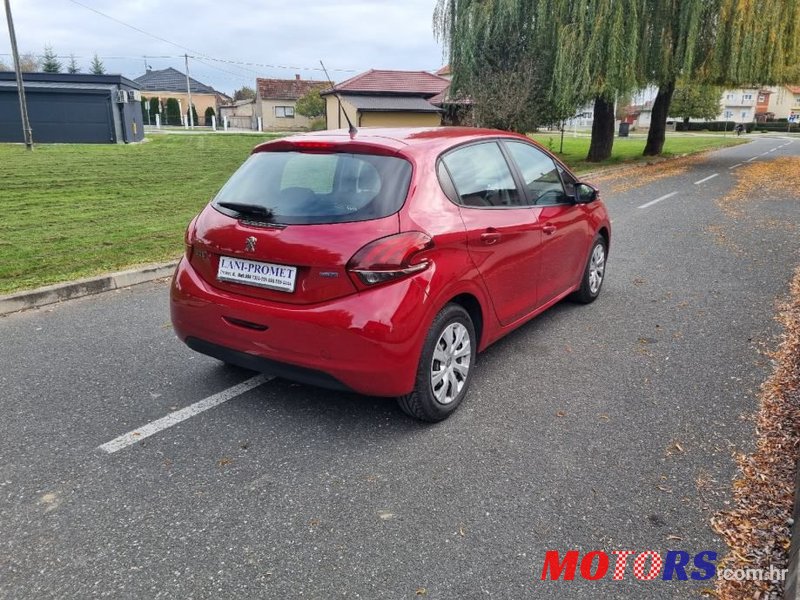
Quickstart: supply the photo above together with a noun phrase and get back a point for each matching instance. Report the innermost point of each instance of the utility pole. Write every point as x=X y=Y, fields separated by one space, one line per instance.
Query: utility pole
x=188 y=91
x=27 y=133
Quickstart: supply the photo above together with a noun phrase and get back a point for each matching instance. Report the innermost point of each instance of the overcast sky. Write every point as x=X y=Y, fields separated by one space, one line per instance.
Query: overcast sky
x=290 y=36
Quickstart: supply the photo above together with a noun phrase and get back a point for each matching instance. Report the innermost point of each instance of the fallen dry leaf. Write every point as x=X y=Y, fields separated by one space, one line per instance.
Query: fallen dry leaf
x=757 y=528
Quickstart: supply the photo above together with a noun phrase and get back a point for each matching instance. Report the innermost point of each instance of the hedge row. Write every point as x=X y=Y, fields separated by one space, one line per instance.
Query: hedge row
x=731 y=125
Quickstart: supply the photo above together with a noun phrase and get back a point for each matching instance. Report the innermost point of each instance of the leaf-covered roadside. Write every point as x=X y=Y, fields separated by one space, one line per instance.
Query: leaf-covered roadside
x=758 y=527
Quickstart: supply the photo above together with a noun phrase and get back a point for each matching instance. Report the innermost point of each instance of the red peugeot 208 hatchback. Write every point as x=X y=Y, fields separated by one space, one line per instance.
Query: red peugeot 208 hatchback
x=382 y=261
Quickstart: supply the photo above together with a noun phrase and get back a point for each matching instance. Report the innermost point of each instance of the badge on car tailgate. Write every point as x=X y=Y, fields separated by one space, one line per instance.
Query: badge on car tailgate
x=261 y=274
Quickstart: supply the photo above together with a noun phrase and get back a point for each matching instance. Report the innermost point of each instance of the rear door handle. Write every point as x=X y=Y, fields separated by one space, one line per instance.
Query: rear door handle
x=490 y=237
x=549 y=229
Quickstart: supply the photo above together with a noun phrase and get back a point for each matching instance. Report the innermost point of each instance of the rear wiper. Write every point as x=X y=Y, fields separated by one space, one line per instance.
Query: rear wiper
x=254 y=210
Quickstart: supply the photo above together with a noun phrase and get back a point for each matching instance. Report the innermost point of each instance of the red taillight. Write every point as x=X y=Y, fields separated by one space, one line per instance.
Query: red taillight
x=188 y=238
x=390 y=257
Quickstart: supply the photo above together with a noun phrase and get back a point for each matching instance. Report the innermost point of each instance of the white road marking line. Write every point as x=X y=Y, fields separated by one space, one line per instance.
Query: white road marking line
x=773 y=150
x=176 y=417
x=749 y=159
x=706 y=179
x=664 y=197
x=735 y=166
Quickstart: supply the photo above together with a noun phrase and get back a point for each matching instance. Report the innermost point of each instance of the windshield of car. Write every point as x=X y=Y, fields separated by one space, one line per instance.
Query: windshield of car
x=303 y=188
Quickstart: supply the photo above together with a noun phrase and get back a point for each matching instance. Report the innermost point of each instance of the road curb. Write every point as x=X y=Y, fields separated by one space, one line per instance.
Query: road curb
x=83 y=287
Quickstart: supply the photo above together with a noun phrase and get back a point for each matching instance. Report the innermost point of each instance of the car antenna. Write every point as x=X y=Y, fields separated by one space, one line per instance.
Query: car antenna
x=352 y=131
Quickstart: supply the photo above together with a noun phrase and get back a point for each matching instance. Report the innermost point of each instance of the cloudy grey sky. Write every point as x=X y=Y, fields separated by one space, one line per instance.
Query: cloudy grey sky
x=290 y=36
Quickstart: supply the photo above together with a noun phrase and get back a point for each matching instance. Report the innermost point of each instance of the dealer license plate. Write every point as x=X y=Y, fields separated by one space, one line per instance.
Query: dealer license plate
x=261 y=274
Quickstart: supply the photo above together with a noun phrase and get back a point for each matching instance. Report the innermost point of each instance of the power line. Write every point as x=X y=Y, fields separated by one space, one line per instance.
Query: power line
x=195 y=52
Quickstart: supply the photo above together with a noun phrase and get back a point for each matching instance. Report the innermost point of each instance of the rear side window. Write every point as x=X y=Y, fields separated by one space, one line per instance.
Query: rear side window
x=301 y=188
x=482 y=177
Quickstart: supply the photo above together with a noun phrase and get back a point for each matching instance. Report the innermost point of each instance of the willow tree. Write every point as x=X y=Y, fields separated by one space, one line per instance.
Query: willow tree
x=525 y=63
x=501 y=56
x=597 y=45
x=725 y=42
x=676 y=40
x=757 y=43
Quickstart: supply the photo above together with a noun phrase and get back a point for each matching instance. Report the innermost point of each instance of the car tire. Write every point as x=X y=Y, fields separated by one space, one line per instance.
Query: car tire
x=594 y=273
x=445 y=367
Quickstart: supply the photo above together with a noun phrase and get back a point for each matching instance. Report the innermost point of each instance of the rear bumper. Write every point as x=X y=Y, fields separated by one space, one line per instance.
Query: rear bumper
x=367 y=342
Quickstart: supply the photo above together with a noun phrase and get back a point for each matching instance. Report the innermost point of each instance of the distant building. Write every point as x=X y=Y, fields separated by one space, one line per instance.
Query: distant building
x=75 y=109
x=240 y=114
x=171 y=83
x=387 y=99
x=785 y=102
x=276 y=100
x=739 y=105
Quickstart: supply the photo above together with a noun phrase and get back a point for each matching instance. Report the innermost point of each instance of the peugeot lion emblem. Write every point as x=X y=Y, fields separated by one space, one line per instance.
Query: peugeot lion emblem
x=250 y=244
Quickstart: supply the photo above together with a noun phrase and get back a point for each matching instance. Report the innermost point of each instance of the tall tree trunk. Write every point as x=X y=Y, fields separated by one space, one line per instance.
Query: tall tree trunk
x=602 y=130
x=658 y=120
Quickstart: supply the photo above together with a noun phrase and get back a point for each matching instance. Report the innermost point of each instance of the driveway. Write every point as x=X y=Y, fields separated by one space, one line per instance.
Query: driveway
x=603 y=427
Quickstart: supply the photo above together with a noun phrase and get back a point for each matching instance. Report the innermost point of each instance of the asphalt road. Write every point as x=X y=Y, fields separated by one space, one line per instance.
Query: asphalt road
x=593 y=428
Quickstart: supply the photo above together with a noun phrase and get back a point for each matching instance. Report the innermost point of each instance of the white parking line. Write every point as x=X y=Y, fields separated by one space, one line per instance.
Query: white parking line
x=706 y=179
x=664 y=197
x=176 y=417
x=735 y=166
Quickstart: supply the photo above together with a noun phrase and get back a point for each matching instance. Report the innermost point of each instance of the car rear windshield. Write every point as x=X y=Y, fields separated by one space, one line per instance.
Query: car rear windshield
x=303 y=188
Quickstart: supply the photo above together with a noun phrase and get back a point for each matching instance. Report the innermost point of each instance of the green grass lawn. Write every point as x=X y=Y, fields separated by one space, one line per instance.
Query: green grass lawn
x=628 y=149
x=69 y=211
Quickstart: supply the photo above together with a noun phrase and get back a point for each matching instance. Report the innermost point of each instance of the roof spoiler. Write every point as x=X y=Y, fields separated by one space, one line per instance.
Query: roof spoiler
x=352 y=129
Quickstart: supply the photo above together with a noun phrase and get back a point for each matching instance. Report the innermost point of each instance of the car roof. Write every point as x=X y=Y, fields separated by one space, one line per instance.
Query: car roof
x=405 y=140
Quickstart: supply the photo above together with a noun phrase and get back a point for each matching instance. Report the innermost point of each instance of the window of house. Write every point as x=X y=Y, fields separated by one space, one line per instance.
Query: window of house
x=744 y=114
x=284 y=112
x=728 y=114
x=761 y=98
x=748 y=97
x=729 y=97
x=482 y=177
x=539 y=174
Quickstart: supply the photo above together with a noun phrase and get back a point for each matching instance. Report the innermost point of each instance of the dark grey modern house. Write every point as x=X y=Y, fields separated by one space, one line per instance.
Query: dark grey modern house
x=72 y=109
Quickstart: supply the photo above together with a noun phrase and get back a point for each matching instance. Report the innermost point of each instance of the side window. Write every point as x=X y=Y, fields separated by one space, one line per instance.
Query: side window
x=482 y=177
x=539 y=173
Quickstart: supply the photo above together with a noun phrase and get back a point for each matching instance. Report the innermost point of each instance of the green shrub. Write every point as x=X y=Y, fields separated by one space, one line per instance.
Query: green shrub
x=173 y=116
x=318 y=125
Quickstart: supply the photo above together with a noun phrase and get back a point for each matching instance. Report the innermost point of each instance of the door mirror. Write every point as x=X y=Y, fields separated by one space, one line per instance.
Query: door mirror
x=585 y=193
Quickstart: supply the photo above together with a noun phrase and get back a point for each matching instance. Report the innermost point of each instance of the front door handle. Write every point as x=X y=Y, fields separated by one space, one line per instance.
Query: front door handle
x=490 y=237
x=549 y=229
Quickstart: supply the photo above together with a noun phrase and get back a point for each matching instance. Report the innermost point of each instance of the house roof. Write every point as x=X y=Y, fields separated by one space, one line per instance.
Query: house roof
x=171 y=80
x=445 y=70
x=287 y=89
x=69 y=79
x=795 y=89
x=405 y=83
x=390 y=104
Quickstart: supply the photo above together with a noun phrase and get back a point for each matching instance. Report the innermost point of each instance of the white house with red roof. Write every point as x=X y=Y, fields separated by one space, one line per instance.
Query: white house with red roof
x=381 y=98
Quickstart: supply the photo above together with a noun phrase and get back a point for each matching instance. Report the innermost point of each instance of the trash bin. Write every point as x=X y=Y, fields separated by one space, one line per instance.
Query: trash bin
x=624 y=128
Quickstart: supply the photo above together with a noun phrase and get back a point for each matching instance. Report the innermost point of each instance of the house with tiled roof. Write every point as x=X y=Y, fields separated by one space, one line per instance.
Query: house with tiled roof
x=383 y=98
x=784 y=102
x=171 y=83
x=276 y=100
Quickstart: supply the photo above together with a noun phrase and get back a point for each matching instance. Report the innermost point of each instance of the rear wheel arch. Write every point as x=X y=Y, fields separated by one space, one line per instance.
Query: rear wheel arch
x=472 y=305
